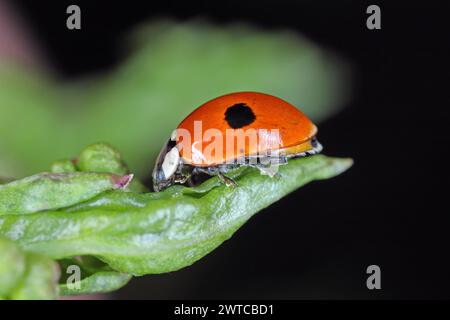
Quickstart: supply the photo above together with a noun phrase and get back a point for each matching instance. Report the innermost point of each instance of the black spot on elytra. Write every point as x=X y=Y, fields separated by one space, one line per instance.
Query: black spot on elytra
x=239 y=115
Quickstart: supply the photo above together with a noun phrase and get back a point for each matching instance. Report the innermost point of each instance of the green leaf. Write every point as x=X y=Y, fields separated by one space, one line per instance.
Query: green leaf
x=26 y=275
x=102 y=157
x=161 y=232
x=63 y=166
x=39 y=281
x=95 y=277
x=50 y=191
x=12 y=266
x=99 y=282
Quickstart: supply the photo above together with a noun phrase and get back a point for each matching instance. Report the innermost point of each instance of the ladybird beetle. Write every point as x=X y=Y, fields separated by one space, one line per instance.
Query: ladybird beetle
x=243 y=128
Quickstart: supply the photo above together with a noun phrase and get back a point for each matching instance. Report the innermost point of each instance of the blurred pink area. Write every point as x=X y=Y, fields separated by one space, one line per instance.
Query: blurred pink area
x=16 y=39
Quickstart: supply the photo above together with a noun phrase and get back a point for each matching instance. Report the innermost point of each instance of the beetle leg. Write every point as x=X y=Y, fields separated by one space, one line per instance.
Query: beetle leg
x=190 y=183
x=228 y=181
x=182 y=179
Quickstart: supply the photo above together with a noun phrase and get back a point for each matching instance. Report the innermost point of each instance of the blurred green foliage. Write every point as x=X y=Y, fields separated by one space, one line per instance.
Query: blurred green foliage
x=26 y=275
x=171 y=69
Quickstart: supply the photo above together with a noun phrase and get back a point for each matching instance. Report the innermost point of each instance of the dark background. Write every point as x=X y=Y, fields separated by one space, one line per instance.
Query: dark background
x=390 y=209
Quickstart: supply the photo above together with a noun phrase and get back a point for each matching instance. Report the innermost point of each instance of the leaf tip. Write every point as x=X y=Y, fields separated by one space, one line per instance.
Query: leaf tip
x=121 y=182
x=342 y=164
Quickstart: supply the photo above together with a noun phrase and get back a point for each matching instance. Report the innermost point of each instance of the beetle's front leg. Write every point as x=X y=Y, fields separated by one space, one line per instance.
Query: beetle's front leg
x=226 y=180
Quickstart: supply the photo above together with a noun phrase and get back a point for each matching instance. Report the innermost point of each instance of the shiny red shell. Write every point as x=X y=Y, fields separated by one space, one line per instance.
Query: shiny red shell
x=220 y=120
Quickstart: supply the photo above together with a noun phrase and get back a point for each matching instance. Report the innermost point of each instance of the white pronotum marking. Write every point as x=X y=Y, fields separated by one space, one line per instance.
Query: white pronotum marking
x=170 y=162
x=173 y=136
